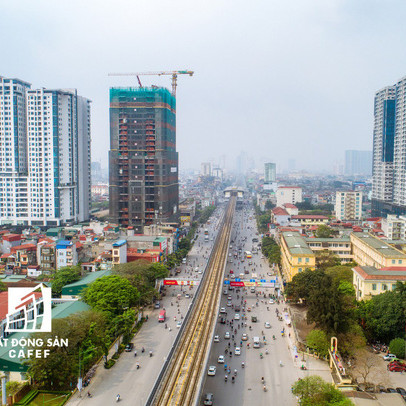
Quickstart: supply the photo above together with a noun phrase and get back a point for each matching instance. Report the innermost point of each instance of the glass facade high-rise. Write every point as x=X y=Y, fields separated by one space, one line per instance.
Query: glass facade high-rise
x=389 y=157
x=143 y=160
x=270 y=172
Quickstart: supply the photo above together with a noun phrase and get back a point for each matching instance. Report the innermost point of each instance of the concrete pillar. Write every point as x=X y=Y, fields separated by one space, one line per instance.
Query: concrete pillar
x=4 y=380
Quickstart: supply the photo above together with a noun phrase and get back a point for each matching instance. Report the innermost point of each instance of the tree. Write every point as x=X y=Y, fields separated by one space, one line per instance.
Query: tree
x=397 y=347
x=324 y=231
x=317 y=340
x=269 y=205
x=326 y=259
x=383 y=316
x=86 y=333
x=314 y=391
x=303 y=284
x=367 y=368
x=110 y=294
x=63 y=277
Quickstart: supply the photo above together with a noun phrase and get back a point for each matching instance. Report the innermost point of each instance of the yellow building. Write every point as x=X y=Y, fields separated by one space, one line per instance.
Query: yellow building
x=340 y=247
x=310 y=219
x=369 y=281
x=296 y=256
x=371 y=251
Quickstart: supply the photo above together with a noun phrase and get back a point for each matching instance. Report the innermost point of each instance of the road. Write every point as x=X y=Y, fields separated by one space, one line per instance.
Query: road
x=248 y=389
x=134 y=386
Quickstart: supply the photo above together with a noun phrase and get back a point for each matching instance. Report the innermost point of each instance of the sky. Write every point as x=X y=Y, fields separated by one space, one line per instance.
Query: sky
x=279 y=80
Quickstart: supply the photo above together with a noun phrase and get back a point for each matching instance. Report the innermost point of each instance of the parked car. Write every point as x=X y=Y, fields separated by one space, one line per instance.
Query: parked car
x=401 y=392
x=211 y=371
x=389 y=357
x=391 y=390
x=157 y=305
x=129 y=347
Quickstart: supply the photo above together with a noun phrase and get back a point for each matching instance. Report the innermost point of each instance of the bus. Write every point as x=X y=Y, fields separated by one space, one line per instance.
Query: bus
x=248 y=254
x=162 y=316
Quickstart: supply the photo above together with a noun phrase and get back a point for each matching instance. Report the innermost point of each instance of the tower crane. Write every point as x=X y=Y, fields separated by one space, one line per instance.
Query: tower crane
x=174 y=75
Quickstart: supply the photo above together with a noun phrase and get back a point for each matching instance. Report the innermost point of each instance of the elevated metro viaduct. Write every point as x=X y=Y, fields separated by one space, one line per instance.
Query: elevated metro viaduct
x=235 y=191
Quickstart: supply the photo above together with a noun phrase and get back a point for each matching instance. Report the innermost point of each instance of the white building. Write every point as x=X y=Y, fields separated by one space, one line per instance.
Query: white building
x=348 y=205
x=45 y=170
x=66 y=254
x=288 y=194
x=394 y=227
x=205 y=169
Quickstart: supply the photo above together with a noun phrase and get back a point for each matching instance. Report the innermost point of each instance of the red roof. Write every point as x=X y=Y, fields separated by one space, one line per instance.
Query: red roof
x=82 y=238
x=12 y=237
x=49 y=240
x=310 y=216
x=279 y=211
x=79 y=245
x=27 y=247
x=289 y=206
x=373 y=219
x=382 y=275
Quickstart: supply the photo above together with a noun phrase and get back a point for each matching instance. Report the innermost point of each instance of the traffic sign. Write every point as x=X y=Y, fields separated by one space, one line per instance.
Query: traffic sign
x=226 y=282
x=237 y=279
x=262 y=280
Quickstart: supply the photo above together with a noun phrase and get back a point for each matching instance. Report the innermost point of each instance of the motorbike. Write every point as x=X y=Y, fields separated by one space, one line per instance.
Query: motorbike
x=117 y=398
x=303 y=368
x=150 y=353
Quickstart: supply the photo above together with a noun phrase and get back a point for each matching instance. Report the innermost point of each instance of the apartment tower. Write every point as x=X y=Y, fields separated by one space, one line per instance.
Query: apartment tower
x=389 y=157
x=143 y=159
x=44 y=155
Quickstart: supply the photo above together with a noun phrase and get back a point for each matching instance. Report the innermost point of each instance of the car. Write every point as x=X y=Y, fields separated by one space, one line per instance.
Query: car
x=401 y=392
x=396 y=368
x=227 y=335
x=216 y=339
x=254 y=319
x=211 y=371
x=157 y=305
x=231 y=271
x=187 y=296
x=208 y=399
x=220 y=359
x=271 y=301
x=225 y=292
x=223 y=320
x=129 y=347
x=252 y=290
x=229 y=304
x=232 y=276
x=244 y=337
x=178 y=324
x=262 y=257
x=223 y=310
x=389 y=357
x=236 y=316
x=248 y=309
x=390 y=390
x=229 y=297
x=267 y=324
x=237 y=351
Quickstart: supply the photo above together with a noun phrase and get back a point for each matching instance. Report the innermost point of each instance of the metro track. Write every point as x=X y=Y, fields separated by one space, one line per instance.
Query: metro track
x=180 y=383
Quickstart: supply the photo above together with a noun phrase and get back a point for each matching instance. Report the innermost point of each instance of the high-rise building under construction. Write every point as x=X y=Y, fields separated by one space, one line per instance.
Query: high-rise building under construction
x=143 y=159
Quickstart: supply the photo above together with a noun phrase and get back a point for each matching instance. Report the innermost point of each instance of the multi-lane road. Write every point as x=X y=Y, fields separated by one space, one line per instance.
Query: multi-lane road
x=247 y=388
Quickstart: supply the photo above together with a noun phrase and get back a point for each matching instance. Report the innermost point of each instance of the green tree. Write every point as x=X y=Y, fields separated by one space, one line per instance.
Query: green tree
x=86 y=334
x=110 y=294
x=63 y=277
x=383 y=316
x=326 y=259
x=397 y=347
x=324 y=231
x=263 y=221
x=314 y=391
x=269 y=205
x=304 y=284
x=318 y=341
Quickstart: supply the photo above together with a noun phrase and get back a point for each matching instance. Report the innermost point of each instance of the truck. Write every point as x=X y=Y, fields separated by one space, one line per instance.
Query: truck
x=162 y=316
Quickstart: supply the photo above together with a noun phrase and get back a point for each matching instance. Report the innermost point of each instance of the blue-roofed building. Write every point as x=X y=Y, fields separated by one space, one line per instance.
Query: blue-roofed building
x=119 y=252
x=66 y=254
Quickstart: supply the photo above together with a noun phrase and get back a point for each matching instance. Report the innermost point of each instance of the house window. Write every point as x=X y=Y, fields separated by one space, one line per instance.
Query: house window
x=300 y=269
x=393 y=261
x=299 y=260
x=307 y=260
x=384 y=286
x=374 y=286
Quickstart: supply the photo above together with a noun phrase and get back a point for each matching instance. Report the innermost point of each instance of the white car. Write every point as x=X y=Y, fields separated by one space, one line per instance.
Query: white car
x=389 y=357
x=220 y=359
x=229 y=304
x=223 y=310
x=178 y=324
x=227 y=335
x=237 y=351
x=271 y=301
x=244 y=337
x=211 y=371
x=216 y=339
x=236 y=316
x=232 y=276
x=267 y=324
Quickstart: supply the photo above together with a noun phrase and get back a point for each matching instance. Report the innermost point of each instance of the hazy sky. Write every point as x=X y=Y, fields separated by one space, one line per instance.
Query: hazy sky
x=279 y=79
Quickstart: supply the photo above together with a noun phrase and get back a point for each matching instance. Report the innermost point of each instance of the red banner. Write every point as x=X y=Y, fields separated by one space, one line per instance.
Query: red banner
x=170 y=282
x=236 y=283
